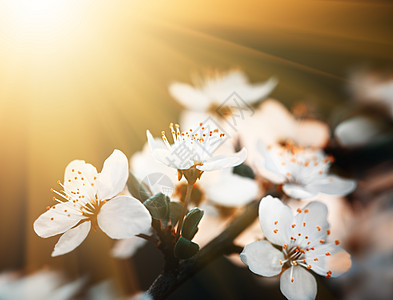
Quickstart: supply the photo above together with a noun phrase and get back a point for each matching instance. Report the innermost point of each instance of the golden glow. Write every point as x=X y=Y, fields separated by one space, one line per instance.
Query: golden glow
x=39 y=20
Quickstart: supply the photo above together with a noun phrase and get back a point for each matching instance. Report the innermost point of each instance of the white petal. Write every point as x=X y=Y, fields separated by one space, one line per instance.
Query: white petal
x=123 y=217
x=189 y=97
x=312 y=133
x=224 y=161
x=303 y=287
x=55 y=221
x=232 y=190
x=113 y=177
x=297 y=191
x=262 y=258
x=75 y=171
x=270 y=163
x=311 y=222
x=71 y=239
x=165 y=155
x=276 y=219
x=337 y=262
x=252 y=93
x=127 y=248
x=358 y=131
x=332 y=185
x=154 y=143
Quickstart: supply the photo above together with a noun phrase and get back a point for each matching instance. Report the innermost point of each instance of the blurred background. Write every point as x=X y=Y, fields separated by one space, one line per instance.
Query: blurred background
x=80 y=78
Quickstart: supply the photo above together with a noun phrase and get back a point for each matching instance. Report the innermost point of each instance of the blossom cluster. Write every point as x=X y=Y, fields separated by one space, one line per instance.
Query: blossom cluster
x=218 y=165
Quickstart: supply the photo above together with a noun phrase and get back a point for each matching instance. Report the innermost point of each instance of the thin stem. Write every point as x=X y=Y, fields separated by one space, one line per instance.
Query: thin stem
x=183 y=213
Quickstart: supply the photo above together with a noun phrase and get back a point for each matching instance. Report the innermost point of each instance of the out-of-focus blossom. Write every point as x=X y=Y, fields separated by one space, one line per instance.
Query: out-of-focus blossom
x=40 y=285
x=128 y=247
x=303 y=240
x=373 y=87
x=207 y=97
x=89 y=199
x=193 y=150
x=273 y=124
x=358 y=132
x=303 y=172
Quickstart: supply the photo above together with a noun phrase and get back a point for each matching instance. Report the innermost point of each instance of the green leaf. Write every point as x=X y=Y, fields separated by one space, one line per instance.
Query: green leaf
x=137 y=189
x=244 y=171
x=175 y=212
x=158 y=206
x=190 y=225
x=184 y=248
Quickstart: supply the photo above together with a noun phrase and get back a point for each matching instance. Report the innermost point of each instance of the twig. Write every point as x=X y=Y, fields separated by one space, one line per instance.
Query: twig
x=170 y=279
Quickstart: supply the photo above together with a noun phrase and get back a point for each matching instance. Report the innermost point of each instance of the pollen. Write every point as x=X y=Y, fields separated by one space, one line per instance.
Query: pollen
x=51 y=219
x=322 y=241
x=316 y=259
x=304 y=224
x=284 y=246
x=327 y=253
x=281 y=263
x=275 y=230
x=337 y=242
x=328 y=231
x=293 y=279
x=319 y=228
x=299 y=210
x=309 y=267
x=293 y=225
x=275 y=223
x=306 y=210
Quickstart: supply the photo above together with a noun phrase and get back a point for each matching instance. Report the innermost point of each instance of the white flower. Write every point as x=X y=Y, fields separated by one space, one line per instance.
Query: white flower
x=89 y=199
x=222 y=187
x=194 y=150
x=303 y=172
x=272 y=124
x=303 y=242
x=212 y=92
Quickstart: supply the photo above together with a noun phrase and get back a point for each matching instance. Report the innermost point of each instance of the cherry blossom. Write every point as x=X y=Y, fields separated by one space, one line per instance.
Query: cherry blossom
x=90 y=199
x=303 y=244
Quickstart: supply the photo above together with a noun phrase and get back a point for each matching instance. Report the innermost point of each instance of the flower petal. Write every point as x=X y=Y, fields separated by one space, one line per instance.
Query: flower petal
x=270 y=163
x=232 y=190
x=297 y=191
x=224 y=161
x=312 y=133
x=128 y=247
x=71 y=239
x=189 y=97
x=275 y=218
x=55 y=221
x=332 y=185
x=113 y=177
x=303 y=287
x=167 y=156
x=123 y=217
x=338 y=261
x=262 y=258
x=251 y=93
x=312 y=223
x=75 y=171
